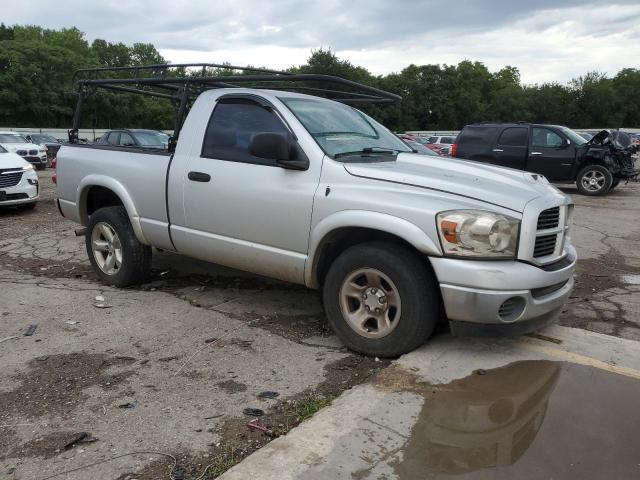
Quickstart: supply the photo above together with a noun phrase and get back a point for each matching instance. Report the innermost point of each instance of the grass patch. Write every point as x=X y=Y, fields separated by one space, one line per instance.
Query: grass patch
x=217 y=467
x=307 y=407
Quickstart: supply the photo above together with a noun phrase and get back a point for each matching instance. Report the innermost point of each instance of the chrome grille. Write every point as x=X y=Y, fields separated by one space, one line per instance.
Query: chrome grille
x=33 y=152
x=9 y=178
x=551 y=228
x=545 y=245
x=22 y=153
x=549 y=218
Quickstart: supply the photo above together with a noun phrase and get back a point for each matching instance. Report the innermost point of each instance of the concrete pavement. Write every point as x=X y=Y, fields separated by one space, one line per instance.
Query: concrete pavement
x=529 y=408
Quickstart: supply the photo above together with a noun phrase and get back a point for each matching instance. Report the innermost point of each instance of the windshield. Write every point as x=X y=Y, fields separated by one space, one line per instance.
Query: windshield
x=573 y=136
x=43 y=139
x=152 y=139
x=340 y=129
x=11 y=138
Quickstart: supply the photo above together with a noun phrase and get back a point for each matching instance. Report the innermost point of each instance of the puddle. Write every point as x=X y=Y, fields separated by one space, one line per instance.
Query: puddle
x=528 y=420
x=631 y=279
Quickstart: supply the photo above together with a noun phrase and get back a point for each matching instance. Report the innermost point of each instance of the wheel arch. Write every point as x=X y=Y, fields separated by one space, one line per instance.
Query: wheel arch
x=96 y=191
x=344 y=229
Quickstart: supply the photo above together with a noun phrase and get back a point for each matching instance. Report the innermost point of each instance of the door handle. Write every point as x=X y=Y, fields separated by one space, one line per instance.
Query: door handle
x=199 y=177
x=536 y=153
x=498 y=150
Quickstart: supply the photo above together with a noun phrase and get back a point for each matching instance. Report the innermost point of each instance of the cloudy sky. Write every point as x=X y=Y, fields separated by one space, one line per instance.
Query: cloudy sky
x=548 y=40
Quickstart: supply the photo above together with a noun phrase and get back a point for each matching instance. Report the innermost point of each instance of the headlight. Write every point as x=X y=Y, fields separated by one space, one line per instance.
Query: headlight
x=28 y=167
x=476 y=233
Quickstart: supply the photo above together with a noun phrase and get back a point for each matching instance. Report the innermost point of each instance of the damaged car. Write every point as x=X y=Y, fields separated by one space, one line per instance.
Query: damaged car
x=560 y=154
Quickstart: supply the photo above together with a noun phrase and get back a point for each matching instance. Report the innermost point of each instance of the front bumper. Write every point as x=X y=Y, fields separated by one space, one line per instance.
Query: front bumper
x=506 y=296
x=23 y=192
x=37 y=160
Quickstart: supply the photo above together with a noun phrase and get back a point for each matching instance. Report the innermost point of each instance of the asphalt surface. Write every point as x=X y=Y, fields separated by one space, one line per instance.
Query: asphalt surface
x=170 y=366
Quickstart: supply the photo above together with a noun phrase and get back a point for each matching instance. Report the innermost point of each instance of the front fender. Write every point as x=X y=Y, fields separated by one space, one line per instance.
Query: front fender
x=365 y=219
x=116 y=187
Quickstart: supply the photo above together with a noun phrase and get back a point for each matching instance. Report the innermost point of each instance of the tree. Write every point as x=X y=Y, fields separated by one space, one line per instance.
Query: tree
x=36 y=90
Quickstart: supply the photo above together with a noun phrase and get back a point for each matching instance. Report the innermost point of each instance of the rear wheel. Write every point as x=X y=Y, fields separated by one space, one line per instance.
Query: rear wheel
x=594 y=180
x=380 y=299
x=114 y=251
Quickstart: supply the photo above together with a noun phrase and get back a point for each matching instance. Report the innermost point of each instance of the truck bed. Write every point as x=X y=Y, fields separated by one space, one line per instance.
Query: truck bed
x=138 y=176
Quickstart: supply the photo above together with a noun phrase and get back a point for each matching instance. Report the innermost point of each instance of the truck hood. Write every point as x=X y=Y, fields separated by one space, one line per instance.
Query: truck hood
x=12 y=160
x=504 y=187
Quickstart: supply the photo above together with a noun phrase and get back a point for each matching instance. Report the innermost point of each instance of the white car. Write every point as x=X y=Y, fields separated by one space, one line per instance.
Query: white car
x=18 y=181
x=32 y=153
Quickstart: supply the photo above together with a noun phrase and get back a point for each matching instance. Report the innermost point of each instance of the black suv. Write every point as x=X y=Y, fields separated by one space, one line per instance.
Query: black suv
x=558 y=153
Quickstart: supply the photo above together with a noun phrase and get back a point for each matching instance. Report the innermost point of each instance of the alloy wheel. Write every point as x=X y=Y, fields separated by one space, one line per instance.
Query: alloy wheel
x=593 y=180
x=370 y=303
x=107 y=248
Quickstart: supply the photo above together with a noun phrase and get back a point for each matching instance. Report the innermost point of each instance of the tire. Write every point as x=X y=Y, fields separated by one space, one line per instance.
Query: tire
x=615 y=183
x=412 y=312
x=40 y=166
x=130 y=261
x=27 y=206
x=594 y=180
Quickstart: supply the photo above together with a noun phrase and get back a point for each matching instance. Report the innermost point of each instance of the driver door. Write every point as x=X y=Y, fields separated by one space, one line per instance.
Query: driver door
x=551 y=154
x=243 y=211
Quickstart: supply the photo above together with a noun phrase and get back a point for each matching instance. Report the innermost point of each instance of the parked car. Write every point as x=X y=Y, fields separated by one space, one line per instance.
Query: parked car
x=32 y=153
x=440 y=144
x=18 y=181
x=407 y=137
x=312 y=191
x=52 y=144
x=135 y=138
x=558 y=153
x=421 y=149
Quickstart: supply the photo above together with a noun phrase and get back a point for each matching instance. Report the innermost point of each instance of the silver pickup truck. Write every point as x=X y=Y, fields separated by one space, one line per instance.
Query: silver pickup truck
x=313 y=191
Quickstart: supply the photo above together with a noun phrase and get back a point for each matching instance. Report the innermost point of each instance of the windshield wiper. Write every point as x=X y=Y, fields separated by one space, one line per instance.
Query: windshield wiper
x=368 y=150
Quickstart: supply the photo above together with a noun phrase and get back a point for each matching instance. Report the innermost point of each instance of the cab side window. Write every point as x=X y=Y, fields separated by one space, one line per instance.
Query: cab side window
x=231 y=127
x=514 y=136
x=543 y=137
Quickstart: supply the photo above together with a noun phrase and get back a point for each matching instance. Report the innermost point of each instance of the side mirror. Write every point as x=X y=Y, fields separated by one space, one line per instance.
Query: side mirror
x=274 y=146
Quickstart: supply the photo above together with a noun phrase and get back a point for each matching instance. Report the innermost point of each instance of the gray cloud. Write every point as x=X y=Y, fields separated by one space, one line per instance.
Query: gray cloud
x=357 y=25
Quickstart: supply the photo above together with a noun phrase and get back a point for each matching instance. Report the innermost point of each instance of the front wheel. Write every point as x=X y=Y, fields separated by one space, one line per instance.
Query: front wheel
x=381 y=299
x=594 y=180
x=115 y=253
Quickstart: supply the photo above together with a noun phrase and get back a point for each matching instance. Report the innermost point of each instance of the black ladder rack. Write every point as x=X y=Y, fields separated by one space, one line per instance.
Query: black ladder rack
x=181 y=84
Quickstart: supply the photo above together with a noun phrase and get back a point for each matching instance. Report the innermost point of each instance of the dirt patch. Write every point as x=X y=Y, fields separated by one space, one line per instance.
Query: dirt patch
x=602 y=273
x=8 y=441
x=231 y=386
x=171 y=279
x=594 y=276
x=53 y=385
x=51 y=445
x=47 y=268
x=44 y=218
x=238 y=440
